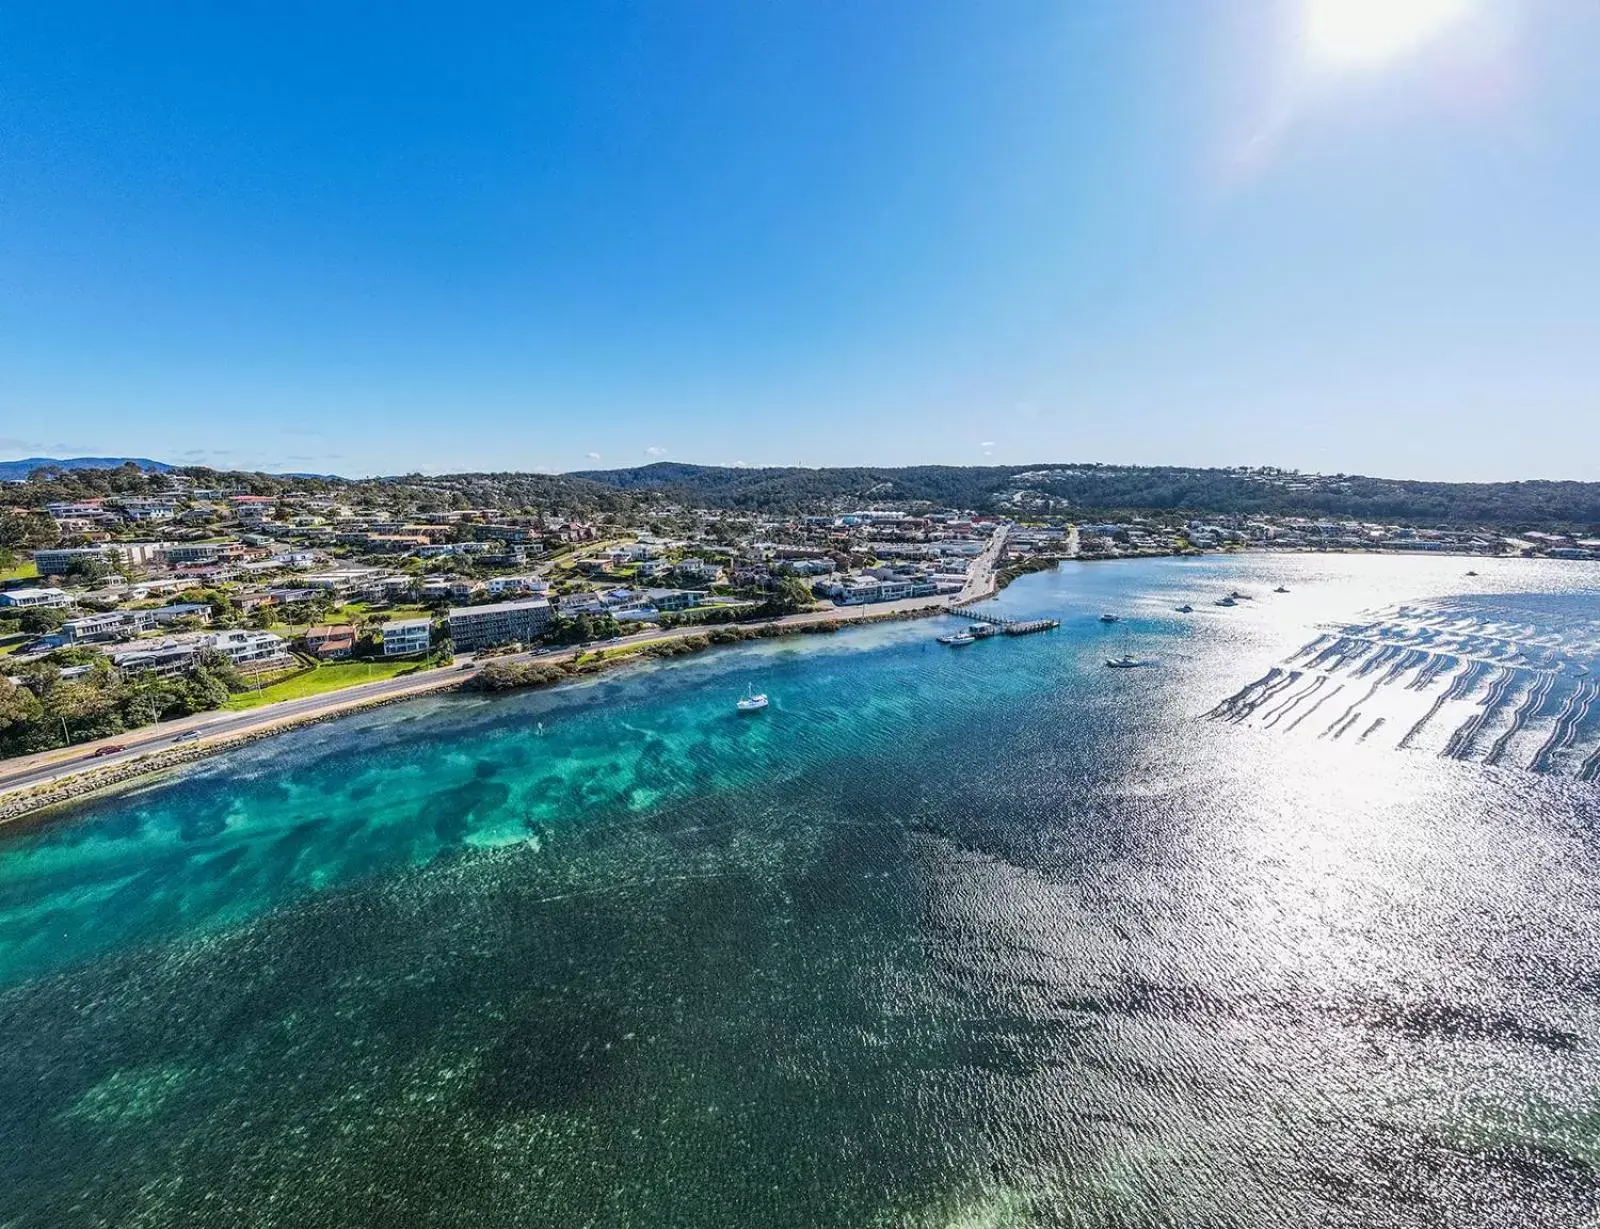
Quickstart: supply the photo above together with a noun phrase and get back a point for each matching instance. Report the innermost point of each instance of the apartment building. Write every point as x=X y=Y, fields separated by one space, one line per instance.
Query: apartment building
x=248 y=650
x=407 y=637
x=56 y=561
x=476 y=627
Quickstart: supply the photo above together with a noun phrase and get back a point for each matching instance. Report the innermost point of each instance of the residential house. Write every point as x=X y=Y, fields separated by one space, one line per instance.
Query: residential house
x=331 y=641
x=518 y=584
x=672 y=599
x=34 y=598
x=113 y=625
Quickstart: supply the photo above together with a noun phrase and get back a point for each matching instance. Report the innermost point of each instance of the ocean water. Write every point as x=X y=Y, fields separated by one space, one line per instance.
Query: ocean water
x=1299 y=924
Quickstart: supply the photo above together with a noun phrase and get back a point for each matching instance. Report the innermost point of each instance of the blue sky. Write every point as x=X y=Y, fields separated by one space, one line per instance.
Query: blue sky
x=548 y=236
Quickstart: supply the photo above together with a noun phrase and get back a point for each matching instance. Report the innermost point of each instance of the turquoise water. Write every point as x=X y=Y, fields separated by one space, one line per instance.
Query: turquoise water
x=982 y=936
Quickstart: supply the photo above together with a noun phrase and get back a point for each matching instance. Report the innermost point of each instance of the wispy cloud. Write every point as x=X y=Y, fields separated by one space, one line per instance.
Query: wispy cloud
x=655 y=450
x=593 y=456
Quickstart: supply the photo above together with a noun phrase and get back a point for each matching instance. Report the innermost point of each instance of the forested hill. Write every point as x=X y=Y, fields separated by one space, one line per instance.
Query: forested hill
x=1088 y=490
x=15 y=471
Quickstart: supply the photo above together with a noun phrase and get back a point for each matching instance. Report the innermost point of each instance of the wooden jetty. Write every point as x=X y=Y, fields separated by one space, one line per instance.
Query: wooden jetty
x=1010 y=626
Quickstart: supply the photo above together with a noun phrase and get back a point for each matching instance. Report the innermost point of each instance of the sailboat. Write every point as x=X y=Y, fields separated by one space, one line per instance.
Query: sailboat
x=753 y=701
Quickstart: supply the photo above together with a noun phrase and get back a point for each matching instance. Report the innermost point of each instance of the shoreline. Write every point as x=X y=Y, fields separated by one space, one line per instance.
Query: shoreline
x=37 y=802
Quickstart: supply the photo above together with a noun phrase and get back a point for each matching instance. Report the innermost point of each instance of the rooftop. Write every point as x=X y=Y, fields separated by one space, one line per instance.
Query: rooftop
x=498 y=607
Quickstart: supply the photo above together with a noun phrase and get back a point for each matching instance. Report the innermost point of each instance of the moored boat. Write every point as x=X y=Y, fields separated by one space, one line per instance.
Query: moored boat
x=1109 y=618
x=753 y=701
x=957 y=639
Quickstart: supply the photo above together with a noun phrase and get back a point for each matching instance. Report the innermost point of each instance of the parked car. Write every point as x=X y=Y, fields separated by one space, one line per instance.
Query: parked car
x=108 y=749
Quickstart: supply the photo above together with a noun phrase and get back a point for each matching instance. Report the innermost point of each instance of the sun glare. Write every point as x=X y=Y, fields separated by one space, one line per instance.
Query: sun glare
x=1369 y=31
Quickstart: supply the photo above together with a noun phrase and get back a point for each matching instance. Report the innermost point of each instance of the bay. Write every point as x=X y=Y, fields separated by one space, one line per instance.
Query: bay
x=1274 y=929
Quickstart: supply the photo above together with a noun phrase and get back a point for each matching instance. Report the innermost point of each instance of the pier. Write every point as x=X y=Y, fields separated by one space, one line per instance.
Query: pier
x=1011 y=627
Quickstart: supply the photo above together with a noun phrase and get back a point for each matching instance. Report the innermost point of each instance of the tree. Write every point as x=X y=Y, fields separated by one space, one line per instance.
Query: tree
x=38 y=620
x=88 y=568
x=791 y=594
x=218 y=667
x=18 y=707
x=27 y=531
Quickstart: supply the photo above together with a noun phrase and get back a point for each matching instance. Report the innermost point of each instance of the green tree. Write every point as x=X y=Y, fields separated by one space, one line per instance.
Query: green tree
x=27 y=531
x=87 y=569
x=19 y=707
x=791 y=594
x=41 y=619
x=216 y=666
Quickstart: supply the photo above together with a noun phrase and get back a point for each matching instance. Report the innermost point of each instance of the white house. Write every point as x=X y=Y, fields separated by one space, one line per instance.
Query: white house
x=29 y=599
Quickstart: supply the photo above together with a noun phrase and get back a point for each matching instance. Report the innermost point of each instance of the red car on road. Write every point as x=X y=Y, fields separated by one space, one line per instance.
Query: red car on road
x=108 y=749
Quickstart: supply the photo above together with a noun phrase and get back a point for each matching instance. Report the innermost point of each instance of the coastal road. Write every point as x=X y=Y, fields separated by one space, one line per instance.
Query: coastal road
x=49 y=767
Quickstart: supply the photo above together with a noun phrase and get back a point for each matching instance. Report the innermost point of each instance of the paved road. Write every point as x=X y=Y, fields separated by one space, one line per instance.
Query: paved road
x=49 y=766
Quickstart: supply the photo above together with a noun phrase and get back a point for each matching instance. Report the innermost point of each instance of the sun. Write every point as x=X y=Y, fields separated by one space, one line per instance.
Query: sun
x=1370 y=31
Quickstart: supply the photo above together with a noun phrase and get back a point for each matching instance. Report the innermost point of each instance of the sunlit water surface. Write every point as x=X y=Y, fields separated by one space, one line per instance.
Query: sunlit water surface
x=980 y=936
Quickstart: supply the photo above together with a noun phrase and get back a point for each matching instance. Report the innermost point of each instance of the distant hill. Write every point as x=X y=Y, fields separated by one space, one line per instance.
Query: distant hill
x=13 y=471
x=1104 y=490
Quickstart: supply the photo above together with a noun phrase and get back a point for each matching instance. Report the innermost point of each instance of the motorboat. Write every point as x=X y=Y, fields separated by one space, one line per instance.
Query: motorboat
x=1225 y=601
x=1280 y=589
x=1126 y=662
x=957 y=639
x=753 y=701
x=1239 y=597
x=1109 y=618
x=1471 y=573
x=1186 y=609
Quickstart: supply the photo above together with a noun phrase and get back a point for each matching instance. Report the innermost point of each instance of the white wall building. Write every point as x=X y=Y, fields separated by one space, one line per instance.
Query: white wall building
x=29 y=599
x=406 y=637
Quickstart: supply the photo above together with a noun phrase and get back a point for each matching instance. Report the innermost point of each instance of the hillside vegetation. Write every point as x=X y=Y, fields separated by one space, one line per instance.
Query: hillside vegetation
x=1104 y=490
x=1082 y=491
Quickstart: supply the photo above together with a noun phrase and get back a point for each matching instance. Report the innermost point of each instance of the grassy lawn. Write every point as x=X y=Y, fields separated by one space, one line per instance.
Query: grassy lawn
x=619 y=650
x=329 y=677
x=23 y=571
x=403 y=610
